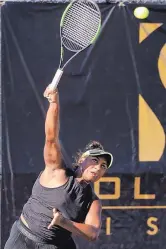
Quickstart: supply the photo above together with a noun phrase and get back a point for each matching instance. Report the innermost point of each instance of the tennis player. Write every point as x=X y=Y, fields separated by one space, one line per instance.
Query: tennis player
x=62 y=202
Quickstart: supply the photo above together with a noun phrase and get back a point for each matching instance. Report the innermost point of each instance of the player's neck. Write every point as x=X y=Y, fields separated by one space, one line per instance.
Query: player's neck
x=82 y=181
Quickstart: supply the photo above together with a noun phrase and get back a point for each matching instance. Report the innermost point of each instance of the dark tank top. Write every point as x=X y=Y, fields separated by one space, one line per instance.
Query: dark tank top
x=72 y=199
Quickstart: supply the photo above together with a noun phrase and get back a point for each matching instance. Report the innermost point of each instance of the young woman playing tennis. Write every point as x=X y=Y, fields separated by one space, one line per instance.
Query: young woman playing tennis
x=62 y=201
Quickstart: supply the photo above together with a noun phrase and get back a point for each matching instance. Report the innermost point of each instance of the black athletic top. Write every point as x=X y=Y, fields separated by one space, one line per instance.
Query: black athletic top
x=72 y=199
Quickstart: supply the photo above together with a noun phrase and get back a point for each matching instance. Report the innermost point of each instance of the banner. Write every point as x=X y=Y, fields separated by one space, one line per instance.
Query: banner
x=114 y=93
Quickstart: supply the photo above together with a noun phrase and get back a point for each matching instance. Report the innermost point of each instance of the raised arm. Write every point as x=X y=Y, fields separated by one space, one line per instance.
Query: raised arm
x=52 y=150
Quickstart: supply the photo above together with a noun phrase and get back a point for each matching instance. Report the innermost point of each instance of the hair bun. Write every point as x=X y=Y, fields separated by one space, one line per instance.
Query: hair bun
x=93 y=145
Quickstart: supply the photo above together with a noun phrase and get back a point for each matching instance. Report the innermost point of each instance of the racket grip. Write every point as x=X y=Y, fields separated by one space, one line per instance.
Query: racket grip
x=56 y=79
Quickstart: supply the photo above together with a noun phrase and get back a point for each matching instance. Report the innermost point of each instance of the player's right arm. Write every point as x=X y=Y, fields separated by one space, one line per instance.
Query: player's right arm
x=52 y=150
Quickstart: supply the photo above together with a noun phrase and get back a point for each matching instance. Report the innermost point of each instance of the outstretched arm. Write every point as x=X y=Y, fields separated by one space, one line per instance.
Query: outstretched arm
x=52 y=151
x=89 y=230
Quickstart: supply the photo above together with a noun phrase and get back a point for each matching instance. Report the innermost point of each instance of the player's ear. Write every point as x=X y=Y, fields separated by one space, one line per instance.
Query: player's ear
x=81 y=160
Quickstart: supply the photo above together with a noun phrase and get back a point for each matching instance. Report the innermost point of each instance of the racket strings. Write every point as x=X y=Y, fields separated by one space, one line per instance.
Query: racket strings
x=72 y=44
x=82 y=18
x=85 y=9
x=90 y=26
x=82 y=33
x=80 y=25
x=81 y=38
x=78 y=39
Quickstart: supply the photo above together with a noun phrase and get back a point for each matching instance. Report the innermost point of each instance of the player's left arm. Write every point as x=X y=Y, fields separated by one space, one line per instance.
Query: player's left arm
x=89 y=230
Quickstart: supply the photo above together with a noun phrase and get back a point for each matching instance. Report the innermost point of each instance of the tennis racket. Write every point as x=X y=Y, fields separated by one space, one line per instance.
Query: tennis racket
x=79 y=28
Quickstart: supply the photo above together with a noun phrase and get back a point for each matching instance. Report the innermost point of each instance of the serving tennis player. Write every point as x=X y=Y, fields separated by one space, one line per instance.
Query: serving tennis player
x=62 y=202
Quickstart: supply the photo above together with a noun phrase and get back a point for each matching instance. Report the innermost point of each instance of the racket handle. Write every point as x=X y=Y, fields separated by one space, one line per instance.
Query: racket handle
x=56 y=79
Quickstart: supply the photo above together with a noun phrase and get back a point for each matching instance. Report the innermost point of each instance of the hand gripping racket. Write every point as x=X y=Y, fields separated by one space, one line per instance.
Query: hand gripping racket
x=79 y=27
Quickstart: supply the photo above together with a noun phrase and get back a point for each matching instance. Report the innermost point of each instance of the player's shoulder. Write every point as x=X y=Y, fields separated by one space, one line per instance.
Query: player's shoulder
x=94 y=196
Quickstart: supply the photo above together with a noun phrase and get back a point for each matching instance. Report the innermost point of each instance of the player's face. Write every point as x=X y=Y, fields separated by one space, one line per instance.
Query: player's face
x=94 y=168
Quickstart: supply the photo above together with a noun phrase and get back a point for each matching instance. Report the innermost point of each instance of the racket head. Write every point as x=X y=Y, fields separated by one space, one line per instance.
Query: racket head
x=80 y=25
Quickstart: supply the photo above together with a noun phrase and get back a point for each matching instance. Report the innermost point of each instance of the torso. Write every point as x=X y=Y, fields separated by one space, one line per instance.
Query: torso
x=65 y=193
x=50 y=179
